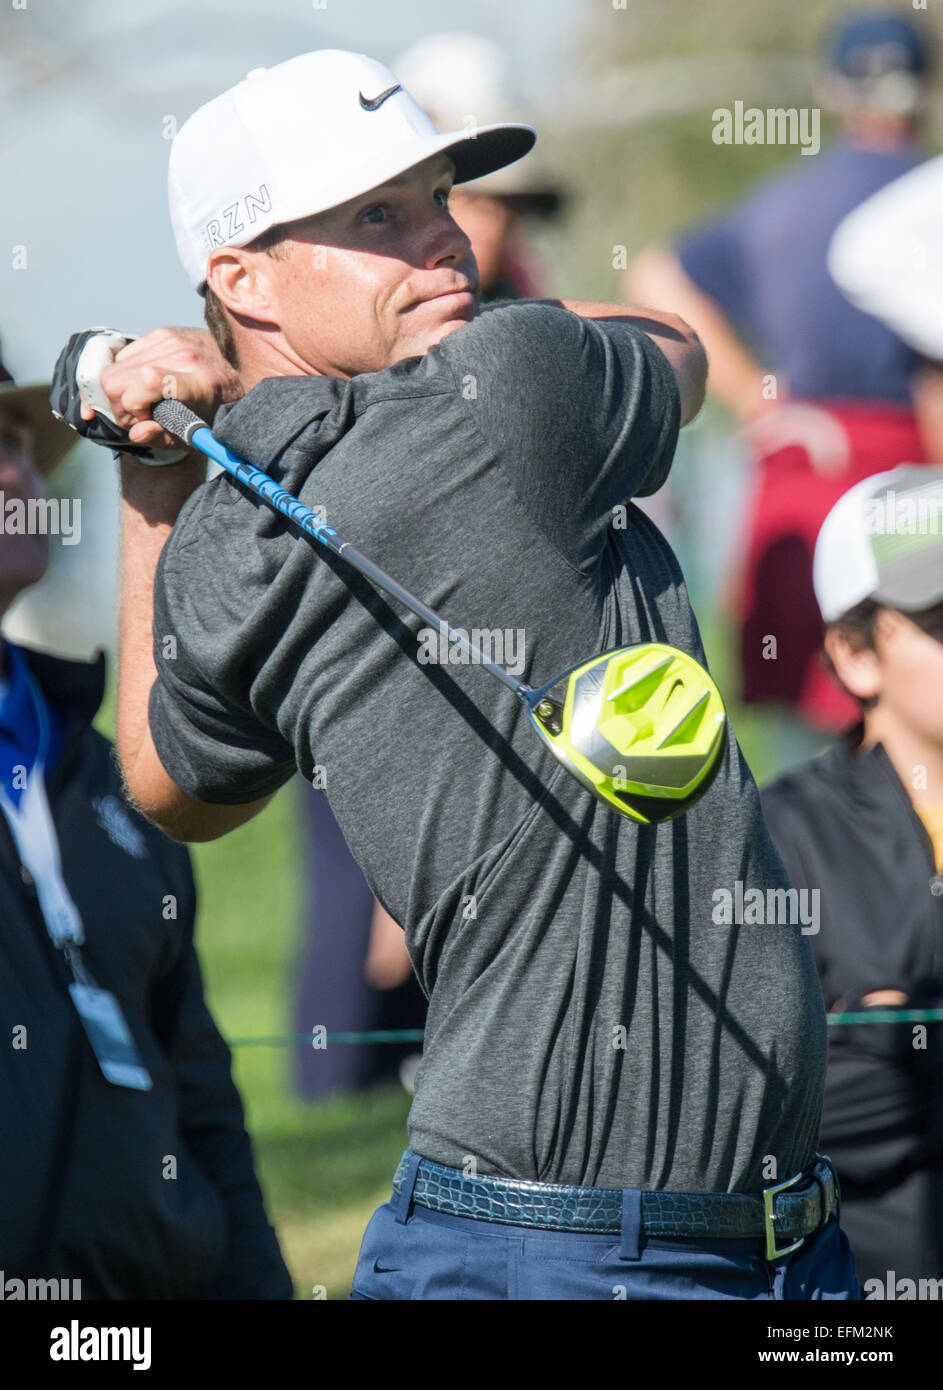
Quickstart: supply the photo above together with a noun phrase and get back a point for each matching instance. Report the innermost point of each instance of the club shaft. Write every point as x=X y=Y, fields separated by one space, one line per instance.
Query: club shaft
x=308 y=521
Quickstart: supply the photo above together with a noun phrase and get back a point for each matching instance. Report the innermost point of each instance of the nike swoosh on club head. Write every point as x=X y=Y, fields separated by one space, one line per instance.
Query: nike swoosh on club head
x=374 y=103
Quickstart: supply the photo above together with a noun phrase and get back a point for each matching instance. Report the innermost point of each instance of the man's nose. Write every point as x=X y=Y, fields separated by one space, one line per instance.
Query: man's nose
x=449 y=243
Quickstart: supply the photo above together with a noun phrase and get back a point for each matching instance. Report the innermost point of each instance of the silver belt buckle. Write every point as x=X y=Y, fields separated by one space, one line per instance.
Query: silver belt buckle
x=769 y=1218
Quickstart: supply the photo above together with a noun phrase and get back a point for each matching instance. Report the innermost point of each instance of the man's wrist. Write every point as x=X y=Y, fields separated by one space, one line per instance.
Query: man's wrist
x=159 y=493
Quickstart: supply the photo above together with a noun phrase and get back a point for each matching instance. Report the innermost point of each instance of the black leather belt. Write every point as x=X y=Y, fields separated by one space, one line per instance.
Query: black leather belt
x=786 y=1212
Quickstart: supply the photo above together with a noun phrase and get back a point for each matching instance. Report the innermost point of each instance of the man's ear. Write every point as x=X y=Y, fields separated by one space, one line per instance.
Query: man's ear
x=240 y=280
x=858 y=668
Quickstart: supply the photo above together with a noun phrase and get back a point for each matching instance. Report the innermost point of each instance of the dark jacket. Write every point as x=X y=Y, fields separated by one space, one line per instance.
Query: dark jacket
x=87 y=1184
x=845 y=824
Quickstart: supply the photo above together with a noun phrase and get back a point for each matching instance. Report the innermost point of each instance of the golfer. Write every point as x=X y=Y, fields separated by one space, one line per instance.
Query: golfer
x=614 y=1072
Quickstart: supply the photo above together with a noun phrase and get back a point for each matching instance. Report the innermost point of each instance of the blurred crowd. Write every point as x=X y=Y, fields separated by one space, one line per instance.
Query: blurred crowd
x=819 y=299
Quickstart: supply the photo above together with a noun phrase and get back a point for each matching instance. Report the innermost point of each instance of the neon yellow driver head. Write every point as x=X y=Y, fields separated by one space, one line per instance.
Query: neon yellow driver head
x=642 y=727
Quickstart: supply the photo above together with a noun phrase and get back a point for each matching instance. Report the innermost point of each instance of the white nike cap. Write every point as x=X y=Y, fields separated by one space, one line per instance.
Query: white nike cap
x=305 y=136
x=883 y=539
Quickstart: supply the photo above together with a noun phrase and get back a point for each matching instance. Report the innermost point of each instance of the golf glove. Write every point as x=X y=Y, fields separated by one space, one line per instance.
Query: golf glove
x=78 y=373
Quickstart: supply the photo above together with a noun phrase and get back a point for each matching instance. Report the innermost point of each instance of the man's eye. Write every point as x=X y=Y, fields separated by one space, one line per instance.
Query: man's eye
x=376 y=215
x=444 y=194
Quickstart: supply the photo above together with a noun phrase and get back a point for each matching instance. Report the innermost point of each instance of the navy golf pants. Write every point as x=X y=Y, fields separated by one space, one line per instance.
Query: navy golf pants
x=409 y=1252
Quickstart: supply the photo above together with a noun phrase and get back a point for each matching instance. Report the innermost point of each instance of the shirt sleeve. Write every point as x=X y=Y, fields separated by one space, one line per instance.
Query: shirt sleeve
x=582 y=413
x=209 y=737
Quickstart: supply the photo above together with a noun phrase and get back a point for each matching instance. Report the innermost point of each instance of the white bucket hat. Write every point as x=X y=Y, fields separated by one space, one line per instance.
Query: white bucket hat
x=305 y=136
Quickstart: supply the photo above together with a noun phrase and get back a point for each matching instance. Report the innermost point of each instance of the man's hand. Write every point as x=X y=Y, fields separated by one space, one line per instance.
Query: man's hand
x=182 y=363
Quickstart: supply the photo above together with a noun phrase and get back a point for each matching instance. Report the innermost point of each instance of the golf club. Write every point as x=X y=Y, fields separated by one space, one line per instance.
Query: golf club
x=641 y=727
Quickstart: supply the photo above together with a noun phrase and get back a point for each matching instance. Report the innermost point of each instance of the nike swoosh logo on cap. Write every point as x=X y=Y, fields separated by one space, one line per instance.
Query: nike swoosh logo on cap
x=374 y=103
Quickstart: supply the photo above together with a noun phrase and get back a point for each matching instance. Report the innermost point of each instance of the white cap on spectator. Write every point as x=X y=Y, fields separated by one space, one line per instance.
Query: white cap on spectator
x=883 y=540
x=305 y=136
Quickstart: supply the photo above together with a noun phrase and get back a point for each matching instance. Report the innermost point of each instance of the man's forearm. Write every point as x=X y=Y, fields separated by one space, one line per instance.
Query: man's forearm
x=151 y=499
x=151 y=502
x=589 y=309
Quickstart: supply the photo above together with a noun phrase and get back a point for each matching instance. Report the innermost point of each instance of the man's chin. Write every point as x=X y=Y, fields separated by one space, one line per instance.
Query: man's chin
x=435 y=333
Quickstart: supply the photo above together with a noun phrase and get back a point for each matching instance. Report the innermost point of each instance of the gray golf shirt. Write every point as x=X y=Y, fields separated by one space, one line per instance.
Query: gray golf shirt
x=590 y=1021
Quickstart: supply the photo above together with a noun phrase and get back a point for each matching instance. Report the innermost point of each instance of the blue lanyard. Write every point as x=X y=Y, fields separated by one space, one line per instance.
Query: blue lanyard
x=34 y=832
x=23 y=723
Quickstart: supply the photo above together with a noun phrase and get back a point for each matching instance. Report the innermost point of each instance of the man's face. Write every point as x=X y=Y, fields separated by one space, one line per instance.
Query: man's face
x=23 y=558
x=380 y=278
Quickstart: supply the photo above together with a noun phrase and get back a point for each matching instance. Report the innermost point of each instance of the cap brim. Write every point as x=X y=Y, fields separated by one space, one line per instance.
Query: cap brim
x=52 y=439
x=483 y=149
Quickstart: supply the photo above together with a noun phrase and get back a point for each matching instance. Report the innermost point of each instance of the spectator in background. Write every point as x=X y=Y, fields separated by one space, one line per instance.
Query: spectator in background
x=355 y=971
x=826 y=393
x=124 y=1161
x=863 y=825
